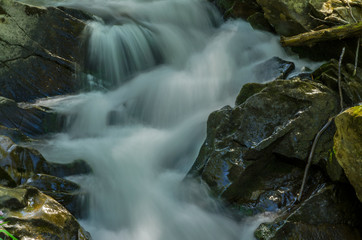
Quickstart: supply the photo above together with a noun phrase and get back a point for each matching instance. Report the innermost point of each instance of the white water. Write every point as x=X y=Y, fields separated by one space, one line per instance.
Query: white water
x=159 y=115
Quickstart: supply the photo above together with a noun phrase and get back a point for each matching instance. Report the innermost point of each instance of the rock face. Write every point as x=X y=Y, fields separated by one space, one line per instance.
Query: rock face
x=40 y=51
x=29 y=120
x=332 y=213
x=31 y=214
x=348 y=146
x=282 y=118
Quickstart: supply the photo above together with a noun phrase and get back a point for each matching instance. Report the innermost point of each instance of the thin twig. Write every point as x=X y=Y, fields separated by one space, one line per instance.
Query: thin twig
x=339 y=78
x=356 y=58
x=311 y=155
x=358 y=42
x=350 y=11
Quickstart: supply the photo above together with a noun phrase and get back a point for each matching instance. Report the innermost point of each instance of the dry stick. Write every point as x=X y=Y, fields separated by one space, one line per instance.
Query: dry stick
x=311 y=155
x=323 y=128
x=356 y=59
x=339 y=78
x=358 y=42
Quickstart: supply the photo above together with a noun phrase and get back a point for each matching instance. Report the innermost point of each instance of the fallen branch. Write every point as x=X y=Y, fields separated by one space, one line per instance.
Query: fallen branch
x=333 y=33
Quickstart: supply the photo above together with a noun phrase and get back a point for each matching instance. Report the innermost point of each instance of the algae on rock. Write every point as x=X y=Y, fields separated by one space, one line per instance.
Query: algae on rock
x=348 y=146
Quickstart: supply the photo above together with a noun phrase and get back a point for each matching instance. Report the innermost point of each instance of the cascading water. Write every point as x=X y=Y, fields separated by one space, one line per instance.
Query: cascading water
x=168 y=64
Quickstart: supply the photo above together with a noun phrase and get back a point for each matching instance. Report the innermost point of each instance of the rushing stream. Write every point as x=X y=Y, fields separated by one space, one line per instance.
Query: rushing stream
x=159 y=69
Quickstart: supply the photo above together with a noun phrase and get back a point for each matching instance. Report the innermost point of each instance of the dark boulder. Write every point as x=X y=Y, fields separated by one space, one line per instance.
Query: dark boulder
x=40 y=51
x=331 y=213
x=274 y=68
x=281 y=117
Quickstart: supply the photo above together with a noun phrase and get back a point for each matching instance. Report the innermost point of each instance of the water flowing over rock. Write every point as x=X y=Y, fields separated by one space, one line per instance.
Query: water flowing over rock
x=40 y=51
x=348 y=146
x=30 y=214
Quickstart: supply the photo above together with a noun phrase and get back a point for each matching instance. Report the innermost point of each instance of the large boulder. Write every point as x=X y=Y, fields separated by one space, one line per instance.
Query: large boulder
x=40 y=51
x=281 y=117
x=331 y=213
x=348 y=146
x=30 y=214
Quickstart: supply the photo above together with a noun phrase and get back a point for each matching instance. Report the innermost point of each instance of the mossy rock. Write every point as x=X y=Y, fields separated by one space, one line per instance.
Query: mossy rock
x=348 y=146
x=40 y=216
x=65 y=192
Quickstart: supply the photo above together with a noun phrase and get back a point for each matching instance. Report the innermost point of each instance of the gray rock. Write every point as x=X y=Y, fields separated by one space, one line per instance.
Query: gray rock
x=40 y=51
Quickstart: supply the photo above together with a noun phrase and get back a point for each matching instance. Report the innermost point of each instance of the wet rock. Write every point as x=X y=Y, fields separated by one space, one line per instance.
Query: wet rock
x=31 y=121
x=283 y=118
x=67 y=193
x=5 y=179
x=22 y=163
x=76 y=167
x=40 y=51
x=14 y=134
x=259 y=22
x=274 y=68
x=237 y=8
x=351 y=85
x=348 y=146
x=30 y=214
x=269 y=185
x=332 y=213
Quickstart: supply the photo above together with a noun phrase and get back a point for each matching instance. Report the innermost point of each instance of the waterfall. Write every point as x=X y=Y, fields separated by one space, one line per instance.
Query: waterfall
x=163 y=67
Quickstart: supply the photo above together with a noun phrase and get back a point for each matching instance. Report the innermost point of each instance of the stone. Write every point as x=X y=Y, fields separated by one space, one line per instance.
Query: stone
x=274 y=68
x=282 y=118
x=22 y=163
x=351 y=85
x=237 y=8
x=32 y=121
x=269 y=185
x=65 y=192
x=40 y=51
x=30 y=214
x=331 y=213
x=348 y=146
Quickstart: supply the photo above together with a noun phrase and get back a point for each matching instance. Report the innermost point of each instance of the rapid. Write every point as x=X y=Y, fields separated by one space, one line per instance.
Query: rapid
x=157 y=70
